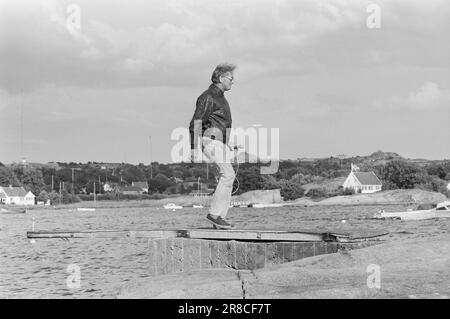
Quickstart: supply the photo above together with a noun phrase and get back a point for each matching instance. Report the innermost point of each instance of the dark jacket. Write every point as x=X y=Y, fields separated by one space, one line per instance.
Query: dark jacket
x=214 y=112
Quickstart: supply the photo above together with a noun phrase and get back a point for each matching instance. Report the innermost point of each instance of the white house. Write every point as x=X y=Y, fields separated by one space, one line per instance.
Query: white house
x=363 y=182
x=16 y=195
x=107 y=187
x=448 y=186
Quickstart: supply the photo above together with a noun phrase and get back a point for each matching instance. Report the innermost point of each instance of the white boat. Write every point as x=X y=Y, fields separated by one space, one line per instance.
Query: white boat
x=197 y=206
x=172 y=206
x=13 y=211
x=267 y=205
x=442 y=210
x=84 y=209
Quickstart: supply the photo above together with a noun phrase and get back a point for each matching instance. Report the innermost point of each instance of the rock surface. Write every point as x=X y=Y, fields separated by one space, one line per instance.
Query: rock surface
x=410 y=268
x=397 y=196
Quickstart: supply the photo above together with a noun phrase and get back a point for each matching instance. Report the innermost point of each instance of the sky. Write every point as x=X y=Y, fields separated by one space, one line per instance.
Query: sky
x=96 y=86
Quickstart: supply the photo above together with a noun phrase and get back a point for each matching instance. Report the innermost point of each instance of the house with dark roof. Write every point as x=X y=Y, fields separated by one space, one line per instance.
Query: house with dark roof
x=362 y=182
x=142 y=185
x=16 y=196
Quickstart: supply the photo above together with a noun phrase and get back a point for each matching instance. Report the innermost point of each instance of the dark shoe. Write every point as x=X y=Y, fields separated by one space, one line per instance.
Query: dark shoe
x=218 y=222
x=215 y=227
x=225 y=222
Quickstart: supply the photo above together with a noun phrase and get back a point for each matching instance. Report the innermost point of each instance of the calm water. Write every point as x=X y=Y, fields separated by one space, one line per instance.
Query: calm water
x=40 y=269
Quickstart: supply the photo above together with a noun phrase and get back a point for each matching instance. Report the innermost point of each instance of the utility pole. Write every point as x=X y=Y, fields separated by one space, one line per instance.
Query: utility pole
x=151 y=170
x=94 y=192
x=72 y=178
x=22 y=156
x=21 y=130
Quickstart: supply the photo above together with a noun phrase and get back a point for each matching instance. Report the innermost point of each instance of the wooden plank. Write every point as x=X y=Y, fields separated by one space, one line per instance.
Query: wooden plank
x=255 y=235
x=105 y=234
x=213 y=234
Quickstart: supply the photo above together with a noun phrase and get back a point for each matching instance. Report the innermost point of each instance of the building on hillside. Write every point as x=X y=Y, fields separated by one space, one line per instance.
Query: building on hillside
x=16 y=196
x=448 y=186
x=129 y=190
x=142 y=185
x=362 y=182
x=176 y=180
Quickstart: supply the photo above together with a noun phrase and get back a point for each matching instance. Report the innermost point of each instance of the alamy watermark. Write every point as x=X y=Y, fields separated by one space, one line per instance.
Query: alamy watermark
x=73 y=20
x=73 y=281
x=374 y=277
x=373 y=21
x=251 y=145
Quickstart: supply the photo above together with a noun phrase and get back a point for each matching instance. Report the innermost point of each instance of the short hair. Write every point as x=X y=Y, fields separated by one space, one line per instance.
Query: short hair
x=220 y=70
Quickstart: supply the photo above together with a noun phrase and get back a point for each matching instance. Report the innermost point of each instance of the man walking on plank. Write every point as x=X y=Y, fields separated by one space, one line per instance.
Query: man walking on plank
x=212 y=123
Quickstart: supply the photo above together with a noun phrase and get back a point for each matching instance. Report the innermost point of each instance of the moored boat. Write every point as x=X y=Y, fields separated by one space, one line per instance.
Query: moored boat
x=13 y=211
x=172 y=206
x=442 y=210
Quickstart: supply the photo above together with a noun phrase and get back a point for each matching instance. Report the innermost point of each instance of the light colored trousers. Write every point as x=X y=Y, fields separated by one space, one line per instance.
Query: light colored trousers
x=220 y=154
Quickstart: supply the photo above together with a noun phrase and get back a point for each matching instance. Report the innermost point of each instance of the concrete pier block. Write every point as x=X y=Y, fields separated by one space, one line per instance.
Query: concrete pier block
x=241 y=256
x=308 y=250
x=161 y=260
x=288 y=253
x=297 y=251
x=226 y=254
x=205 y=255
x=175 y=255
x=320 y=248
x=191 y=255
x=274 y=253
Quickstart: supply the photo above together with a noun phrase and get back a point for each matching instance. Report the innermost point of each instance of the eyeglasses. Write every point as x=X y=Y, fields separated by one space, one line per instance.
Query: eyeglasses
x=231 y=79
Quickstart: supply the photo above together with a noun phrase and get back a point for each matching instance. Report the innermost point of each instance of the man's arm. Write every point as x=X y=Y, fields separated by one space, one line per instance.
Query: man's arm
x=203 y=110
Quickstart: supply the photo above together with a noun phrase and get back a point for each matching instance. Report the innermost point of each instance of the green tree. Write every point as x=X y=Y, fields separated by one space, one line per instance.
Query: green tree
x=290 y=190
x=32 y=180
x=43 y=197
x=318 y=192
x=8 y=177
x=55 y=198
x=249 y=179
x=159 y=184
x=68 y=198
x=400 y=174
x=438 y=170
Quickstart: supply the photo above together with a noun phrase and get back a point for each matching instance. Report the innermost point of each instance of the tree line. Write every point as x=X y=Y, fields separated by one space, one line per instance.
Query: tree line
x=67 y=182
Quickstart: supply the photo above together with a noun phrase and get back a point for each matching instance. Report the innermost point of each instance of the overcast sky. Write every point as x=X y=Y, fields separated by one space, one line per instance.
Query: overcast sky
x=135 y=68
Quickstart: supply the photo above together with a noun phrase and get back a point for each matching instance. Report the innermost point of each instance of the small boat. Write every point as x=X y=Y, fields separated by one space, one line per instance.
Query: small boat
x=197 y=206
x=82 y=209
x=442 y=210
x=13 y=211
x=172 y=206
x=267 y=205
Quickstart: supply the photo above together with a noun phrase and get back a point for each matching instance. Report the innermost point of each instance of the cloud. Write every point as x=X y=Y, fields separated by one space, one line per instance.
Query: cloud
x=177 y=42
x=428 y=96
x=3 y=99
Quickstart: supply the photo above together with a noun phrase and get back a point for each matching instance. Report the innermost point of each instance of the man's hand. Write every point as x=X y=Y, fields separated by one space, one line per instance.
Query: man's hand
x=236 y=147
